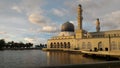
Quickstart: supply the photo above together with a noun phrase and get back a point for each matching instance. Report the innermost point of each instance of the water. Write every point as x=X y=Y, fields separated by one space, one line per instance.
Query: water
x=38 y=58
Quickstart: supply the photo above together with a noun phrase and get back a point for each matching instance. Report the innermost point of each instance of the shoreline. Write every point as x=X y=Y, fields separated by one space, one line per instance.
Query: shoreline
x=99 y=54
x=21 y=49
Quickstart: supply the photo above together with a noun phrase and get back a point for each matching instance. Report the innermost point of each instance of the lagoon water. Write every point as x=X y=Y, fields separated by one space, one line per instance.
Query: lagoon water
x=38 y=58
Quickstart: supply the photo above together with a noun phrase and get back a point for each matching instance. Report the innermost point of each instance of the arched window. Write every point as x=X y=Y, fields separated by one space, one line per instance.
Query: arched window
x=89 y=46
x=61 y=45
x=57 y=44
x=114 y=35
x=51 y=45
x=113 y=46
x=65 y=45
x=68 y=44
x=83 y=45
x=54 y=45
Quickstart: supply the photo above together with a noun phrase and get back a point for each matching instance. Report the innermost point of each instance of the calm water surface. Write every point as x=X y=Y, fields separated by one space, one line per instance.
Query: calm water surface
x=37 y=58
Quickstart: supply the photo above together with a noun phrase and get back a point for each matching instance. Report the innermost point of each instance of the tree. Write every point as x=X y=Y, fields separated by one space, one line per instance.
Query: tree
x=45 y=46
x=2 y=43
x=12 y=44
x=41 y=45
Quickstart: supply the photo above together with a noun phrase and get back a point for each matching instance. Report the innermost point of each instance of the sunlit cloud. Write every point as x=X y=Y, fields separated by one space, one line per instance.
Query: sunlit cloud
x=35 y=40
x=16 y=8
x=46 y=24
x=2 y=32
x=50 y=29
x=38 y=19
x=29 y=40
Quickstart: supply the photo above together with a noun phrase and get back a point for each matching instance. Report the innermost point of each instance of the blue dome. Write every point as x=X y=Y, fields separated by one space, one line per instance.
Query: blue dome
x=67 y=26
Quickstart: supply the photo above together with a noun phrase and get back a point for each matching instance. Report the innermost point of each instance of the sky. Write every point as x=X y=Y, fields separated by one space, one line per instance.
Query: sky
x=36 y=21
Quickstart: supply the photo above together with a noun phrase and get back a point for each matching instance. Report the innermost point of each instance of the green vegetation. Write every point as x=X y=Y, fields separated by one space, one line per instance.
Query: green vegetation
x=41 y=46
x=2 y=43
x=13 y=44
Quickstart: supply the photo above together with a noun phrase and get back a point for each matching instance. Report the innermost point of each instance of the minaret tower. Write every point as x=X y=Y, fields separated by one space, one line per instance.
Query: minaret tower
x=97 y=25
x=79 y=30
x=80 y=18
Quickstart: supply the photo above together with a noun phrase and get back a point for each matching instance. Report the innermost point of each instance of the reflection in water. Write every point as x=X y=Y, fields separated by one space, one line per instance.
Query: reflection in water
x=62 y=58
x=38 y=58
x=22 y=58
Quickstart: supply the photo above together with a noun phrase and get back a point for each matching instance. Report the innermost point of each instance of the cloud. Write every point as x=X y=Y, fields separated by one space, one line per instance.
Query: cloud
x=2 y=32
x=60 y=12
x=49 y=29
x=93 y=9
x=37 y=18
x=111 y=20
x=16 y=8
x=25 y=6
x=43 y=17
x=29 y=40
x=35 y=40
x=30 y=6
x=47 y=25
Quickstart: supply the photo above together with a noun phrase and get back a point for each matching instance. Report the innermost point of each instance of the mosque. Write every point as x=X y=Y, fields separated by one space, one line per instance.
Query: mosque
x=79 y=39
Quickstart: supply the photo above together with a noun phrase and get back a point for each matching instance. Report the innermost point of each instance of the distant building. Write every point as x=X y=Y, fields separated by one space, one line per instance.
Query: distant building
x=71 y=38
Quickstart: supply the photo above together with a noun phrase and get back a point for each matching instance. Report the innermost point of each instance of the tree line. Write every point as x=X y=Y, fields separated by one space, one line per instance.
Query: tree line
x=41 y=46
x=13 y=44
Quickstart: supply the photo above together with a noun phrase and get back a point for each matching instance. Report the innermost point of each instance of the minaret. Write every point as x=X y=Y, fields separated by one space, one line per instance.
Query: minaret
x=79 y=30
x=80 y=18
x=97 y=25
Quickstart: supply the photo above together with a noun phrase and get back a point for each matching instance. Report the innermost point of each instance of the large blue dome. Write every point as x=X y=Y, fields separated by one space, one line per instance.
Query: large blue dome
x=67 y=26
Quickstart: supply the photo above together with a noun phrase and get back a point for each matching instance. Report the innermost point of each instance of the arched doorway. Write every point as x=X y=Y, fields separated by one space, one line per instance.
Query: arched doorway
x=100 y=46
